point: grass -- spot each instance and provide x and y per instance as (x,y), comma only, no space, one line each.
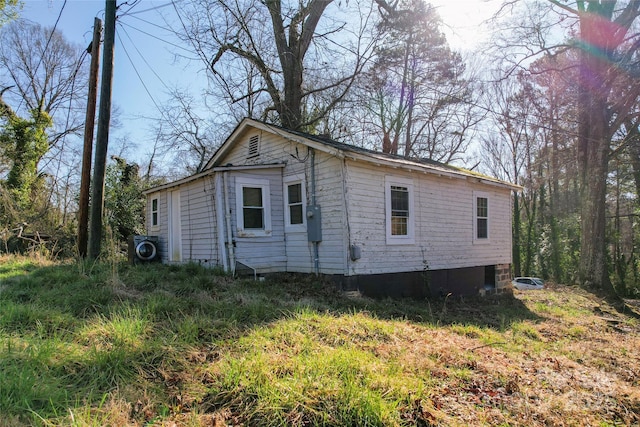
(93,345)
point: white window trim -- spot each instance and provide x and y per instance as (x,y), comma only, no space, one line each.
(409,239)
(476,240)
(266,205)
(287,181)
(157,212)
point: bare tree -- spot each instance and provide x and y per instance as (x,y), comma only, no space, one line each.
(289,62)
(43,72)
(420,104)
(509,154)
(602,33)
(183,132)
(41,77)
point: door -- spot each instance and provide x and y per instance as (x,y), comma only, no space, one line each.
(175,228)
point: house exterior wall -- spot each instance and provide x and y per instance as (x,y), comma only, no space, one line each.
(443,247)
(297,251)
(162,229)
(444,218)
(199,232)
(440,255)
(330,196)
(197,222)
(266,254)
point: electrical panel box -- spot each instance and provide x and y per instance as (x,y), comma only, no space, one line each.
(355,252)
(314,223)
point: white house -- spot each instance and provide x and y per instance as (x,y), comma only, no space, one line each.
(274,200)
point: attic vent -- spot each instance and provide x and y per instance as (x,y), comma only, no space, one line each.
(254,146)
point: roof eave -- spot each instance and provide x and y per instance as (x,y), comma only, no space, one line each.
(177,183)
(217,158)
(424,168)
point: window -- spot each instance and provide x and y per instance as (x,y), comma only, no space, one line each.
(399,211)
(252,208)
(295,198)
(294,193)
(253,212)
(481,217)
(154,212)
(254,146)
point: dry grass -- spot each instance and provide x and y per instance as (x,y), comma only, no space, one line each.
(577,364)
(180,347)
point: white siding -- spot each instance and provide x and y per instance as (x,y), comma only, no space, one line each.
(273,149)
(197,222)
(298,252)
(351,195)
(443,218)
(330,195)
(162,229)
(264,253)
(199,242)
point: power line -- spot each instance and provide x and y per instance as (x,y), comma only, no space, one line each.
(53,30)
(143,58)
(138,73)
(131,6)
(153,36)
(162,113)
(129,13)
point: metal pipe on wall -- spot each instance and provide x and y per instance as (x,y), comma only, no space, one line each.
(316,251)
(232,256)
(220,224)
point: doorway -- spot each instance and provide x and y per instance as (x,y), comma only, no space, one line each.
(175,227)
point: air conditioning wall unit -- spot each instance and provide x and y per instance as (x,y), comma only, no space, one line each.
(143,249)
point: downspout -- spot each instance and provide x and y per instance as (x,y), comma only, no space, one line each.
(316,256)
(227,216)
(220,222)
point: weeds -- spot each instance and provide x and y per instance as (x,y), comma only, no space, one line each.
(96,344)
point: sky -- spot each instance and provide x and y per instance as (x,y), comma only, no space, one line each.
(145,65)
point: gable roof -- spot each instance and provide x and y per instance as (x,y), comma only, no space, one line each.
(341,150)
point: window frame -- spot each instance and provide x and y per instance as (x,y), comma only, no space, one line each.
(288,181)
(155,213)
(409,238)
(481,195)
(264,185)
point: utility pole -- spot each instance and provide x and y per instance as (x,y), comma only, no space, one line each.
(102,140)
(89,122)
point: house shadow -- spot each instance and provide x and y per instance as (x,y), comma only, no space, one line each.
(495,311)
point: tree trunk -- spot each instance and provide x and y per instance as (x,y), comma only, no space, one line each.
(530,239)
(291,114)
(633,134)
(593,272)
(292,48)
(554,198)
(593,156)
(597,75)
(516,235)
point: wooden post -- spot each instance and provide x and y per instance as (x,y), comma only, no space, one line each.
(89,122)
(102,140)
